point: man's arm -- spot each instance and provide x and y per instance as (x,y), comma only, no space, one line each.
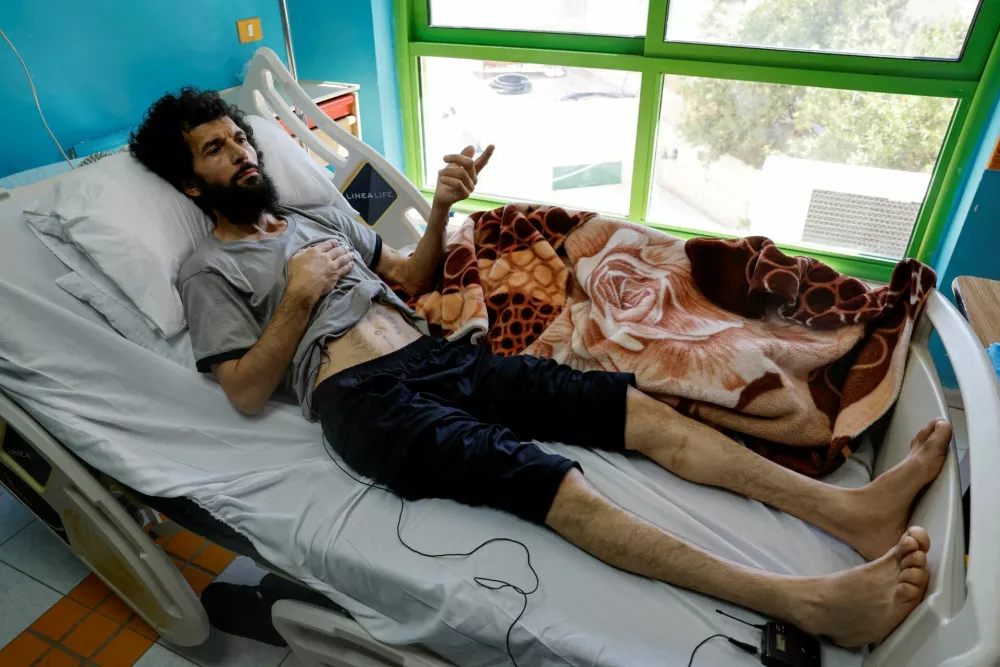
(456,182)
(251,380)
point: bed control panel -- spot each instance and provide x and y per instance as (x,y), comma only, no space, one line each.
(16,450)
(26,475)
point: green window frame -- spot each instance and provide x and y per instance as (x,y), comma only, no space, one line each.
(973,80)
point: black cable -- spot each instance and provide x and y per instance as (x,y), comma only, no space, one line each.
(702,643)
(485,582)
(749,648)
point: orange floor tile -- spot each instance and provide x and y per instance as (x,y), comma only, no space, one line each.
(123,650)
(116,610)
(93,627)
(60,619)
(58,658)
(90,592)
(185,545)
(214,558)
(197,579)
(22,651)
(140,627)
(87,637)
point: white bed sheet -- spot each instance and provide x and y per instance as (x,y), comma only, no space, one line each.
(166,431)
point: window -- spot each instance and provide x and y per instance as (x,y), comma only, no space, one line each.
(564,135)
(829,169)
(834,127)
(903,28)
(595,17)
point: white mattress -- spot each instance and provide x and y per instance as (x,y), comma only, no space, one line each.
(167,431)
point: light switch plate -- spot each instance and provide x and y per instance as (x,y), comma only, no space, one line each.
(250,30)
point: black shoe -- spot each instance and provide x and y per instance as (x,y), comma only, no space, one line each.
(244,611)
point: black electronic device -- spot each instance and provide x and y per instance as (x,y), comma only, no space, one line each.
(781,644)
(784,645)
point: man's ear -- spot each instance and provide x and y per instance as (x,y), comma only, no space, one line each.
(190,189)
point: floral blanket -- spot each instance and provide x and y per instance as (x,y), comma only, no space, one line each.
(784,350)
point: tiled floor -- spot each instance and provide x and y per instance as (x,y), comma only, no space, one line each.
(54,612)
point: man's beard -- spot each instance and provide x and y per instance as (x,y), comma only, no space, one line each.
(241,203)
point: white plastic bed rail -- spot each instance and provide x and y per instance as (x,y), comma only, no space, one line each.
(103,535)
(971,637)
(958,623)
(259,96)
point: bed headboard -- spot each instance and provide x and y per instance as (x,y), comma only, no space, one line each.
(364,176)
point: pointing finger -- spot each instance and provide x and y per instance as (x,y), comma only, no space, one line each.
(484,158)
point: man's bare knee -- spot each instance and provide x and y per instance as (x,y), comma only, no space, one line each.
(655,429)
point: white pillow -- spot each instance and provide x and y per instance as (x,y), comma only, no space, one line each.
(133,225)
(301,182)
(138,229)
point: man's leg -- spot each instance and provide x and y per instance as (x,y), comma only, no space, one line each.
(423,448)
(853,608)
(871,519)
(540,399)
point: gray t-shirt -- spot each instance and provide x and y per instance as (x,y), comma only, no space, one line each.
(231,289)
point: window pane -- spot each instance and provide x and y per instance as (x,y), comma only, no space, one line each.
(832,169)
(563,135)
(626,18)
(905,28)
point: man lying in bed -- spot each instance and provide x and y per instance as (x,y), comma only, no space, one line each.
(279,297)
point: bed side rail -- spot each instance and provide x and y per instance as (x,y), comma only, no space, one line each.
(321,638)
(64,496)
(259,96)
(971,636)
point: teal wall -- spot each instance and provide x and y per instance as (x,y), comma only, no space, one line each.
(352,40)
(972,244)
(110,59)
(118,56)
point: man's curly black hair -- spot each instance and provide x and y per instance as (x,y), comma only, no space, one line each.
(160,144)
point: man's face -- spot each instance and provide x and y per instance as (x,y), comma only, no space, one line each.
(229,175)
(222,154)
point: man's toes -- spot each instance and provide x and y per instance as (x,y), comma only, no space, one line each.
(917,576)
(941,432)
(925,432)
(921,536)
(914,559)
(906,546)
(906,593)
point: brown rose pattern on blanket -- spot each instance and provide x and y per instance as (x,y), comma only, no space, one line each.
(798,358)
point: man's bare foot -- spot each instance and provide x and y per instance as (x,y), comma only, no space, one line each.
(876,515)
(865,604)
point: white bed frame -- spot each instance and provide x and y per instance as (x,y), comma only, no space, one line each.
(957,625)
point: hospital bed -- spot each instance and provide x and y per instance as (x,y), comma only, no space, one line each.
(55,458)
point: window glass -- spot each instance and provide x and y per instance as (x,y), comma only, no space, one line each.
(832,169)
(902,28)
(563,135)
(625,18)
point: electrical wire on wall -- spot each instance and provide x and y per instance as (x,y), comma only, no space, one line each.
(35,95)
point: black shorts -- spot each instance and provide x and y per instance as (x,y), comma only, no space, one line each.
(451,420)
